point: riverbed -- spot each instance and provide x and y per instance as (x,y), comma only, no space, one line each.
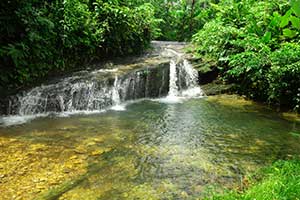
(152,149)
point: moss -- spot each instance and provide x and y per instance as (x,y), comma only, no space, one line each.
(215,88)
(294,117)
(279,181)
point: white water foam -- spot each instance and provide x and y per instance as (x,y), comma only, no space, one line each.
(104,70)
(119,107)
(77,112)
(18,119)
(194,92)
(191,80)
(173,88)
(116,97)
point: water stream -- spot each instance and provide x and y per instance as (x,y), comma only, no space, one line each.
(143,138)
(167,75)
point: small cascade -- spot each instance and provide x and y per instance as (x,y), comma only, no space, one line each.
(190,80)
(191,77)
(116,101)
(183,81)
(115,92)
(93,94)
(94,91)
(173,88)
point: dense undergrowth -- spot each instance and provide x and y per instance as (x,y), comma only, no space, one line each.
(256,45)
(37,37)
(280,181)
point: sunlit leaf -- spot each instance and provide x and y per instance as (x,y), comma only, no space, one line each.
(289,33)
(296,7)
(285,19)
(295,22)
(267,37)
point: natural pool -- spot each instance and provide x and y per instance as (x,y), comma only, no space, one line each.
(152,150)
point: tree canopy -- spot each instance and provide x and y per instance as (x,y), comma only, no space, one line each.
(252,43)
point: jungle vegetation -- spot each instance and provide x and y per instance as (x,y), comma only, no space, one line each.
(279,181)
(38,37)
(254,44)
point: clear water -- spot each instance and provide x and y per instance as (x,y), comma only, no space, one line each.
(152,150)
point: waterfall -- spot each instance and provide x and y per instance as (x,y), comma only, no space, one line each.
(94,91)
(115,93)
(183,82)
(92,94)
(191,81)
(173,88)
(116,101)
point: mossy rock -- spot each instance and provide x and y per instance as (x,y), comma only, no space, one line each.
(216,88)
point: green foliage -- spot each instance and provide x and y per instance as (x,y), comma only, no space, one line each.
(29,52)
(181,19)
(38,37)
(126,30)
(280,181)
(295,6)
(284,75)
(217,45)
(255,44)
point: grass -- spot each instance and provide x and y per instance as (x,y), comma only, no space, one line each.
(281,181)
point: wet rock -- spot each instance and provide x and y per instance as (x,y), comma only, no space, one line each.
(3,106)
(216,88)
(92,91)
(207,71)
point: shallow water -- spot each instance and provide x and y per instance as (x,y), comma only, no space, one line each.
(152,150)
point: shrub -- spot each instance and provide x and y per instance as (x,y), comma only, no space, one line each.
(256,45)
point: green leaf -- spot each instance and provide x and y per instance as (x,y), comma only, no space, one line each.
(276,20)
(289,33)
(295,22)
(267,37)
(295,4)
(285,19)
(295,134)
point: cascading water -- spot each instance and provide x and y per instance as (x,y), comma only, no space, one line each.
(95,91)
(191,81)
(183,79)
(183,82)
(173,88)
(116,101)
(115,93)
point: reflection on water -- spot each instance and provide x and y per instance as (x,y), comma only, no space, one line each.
(150,151)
